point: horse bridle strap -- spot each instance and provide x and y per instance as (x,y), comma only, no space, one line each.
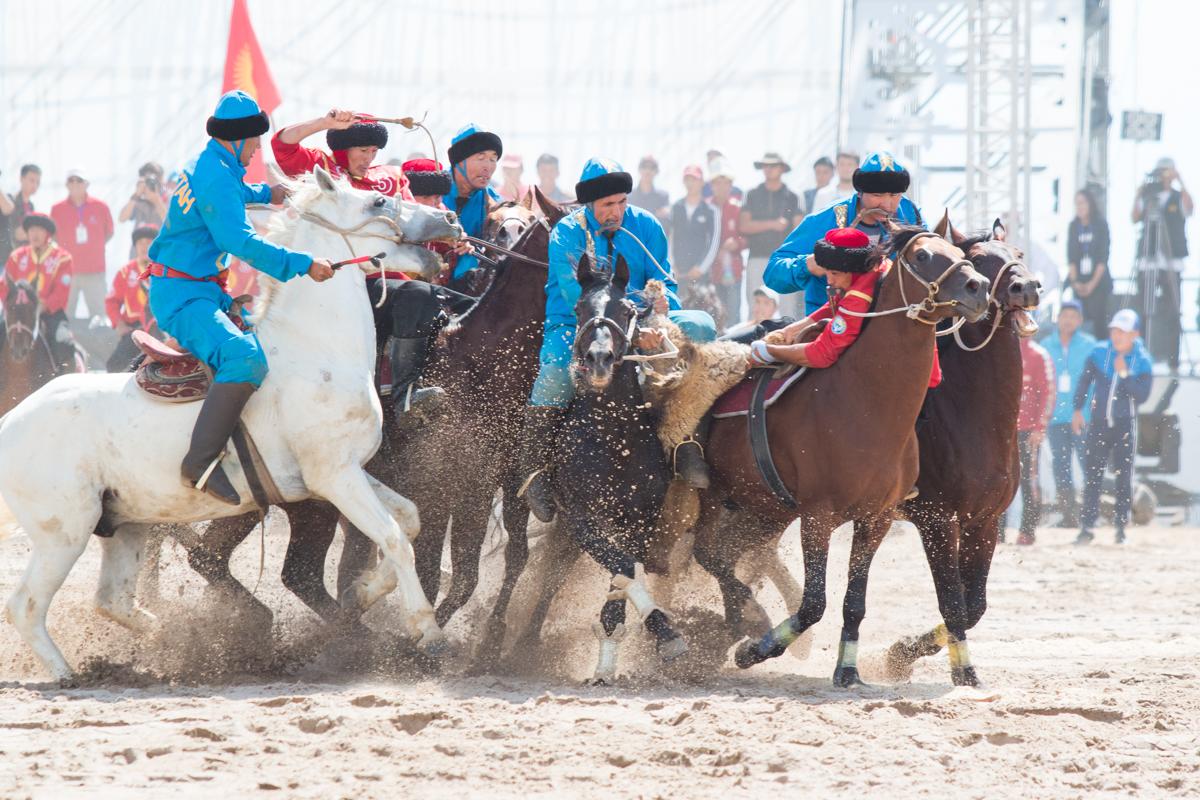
(501,249)
(992,303)
(914,310)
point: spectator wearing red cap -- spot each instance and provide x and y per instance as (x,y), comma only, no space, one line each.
(84,227)
(428,181)
(354,141)
(512,168)
(128,300)
(695,239)
(853,266)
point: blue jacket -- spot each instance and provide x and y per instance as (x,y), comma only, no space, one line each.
(1116,399)
(472,217)
(206,219)
(787,270)
(1068,366)
(568,241)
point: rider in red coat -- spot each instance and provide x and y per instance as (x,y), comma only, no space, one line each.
(854,268)
(354,141)
(48,268)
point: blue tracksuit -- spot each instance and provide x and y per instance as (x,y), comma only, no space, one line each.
(569,241)
(471,217)
(787,269)
(206,219)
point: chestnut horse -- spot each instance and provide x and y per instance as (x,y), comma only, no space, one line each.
(969,463)
(843,439)
(26,361)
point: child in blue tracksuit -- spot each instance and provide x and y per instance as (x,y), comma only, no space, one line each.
(1120,372)
(206,220)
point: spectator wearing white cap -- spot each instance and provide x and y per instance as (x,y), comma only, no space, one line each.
(695,236)
(1120,372)
(84,227)
(1163,210)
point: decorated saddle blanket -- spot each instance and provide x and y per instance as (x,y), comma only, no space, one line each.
(736,401)
(176,376)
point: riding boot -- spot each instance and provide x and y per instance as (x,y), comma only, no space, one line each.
(407,357)
(220,413)
(541,427)
(689,462)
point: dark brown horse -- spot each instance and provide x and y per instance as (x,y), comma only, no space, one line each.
(969,463)
(843,439)
(452,468)
(26,361)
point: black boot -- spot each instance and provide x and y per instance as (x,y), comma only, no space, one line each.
(690,465)
(541,426)
(407,358)
(221,410)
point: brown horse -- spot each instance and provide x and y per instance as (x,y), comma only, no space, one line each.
(26,361)
(487,362)
(843,440)
(969,463)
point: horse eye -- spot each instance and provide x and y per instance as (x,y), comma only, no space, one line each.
(923,256)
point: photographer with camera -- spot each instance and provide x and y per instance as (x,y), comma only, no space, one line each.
(1163,211)
(146,206)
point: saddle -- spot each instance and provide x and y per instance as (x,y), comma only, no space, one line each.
(176,376)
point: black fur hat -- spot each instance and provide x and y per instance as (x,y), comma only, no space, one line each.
(845,250)
(360,134)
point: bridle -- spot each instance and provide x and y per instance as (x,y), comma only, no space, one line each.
(930,303)
(626,336)
(14,326)
(993,304)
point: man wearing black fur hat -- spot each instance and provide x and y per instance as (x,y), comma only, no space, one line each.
(354,141)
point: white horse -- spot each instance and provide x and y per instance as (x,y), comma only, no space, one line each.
(84,439)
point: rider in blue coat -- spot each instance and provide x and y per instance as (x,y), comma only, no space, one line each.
(880,183)
(473,155)
(206,220)
(604,228)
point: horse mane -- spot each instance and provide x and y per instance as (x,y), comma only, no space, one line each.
(979,237)
(902,235)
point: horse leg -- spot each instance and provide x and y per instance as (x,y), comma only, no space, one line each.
(359,554)
(466,545)
(54,554)
(814,537)
(209,556)
(557,565)
(770,564)
(975,563)
(940,536)
(516,556)
(390,521)
(120,563)
(868,534)
(428,547)
(717,550)
(313,524)
(609,631)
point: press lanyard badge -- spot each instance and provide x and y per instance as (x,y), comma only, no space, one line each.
(81,235)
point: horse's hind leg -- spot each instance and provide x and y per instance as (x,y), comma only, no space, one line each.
(120,563)
(815,540)
(313,524)
(868,534)
(516,556)
(975,562)
(767,561)
(209,556)
(555,565)
(54,554)
(721,539)
(466,545)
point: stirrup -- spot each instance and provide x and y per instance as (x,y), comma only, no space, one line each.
(208,471)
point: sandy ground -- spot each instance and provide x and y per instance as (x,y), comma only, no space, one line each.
(1090,657)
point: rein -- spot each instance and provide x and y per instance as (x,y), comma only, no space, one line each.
(510,253)
(930,304)
(357,230)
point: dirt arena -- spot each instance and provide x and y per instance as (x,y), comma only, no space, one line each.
(1091,657)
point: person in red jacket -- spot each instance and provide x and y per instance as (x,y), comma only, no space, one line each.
(354,142)
(1038,395)
(49,269)
(128,300)
(854,267)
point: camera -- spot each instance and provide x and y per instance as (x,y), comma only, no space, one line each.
(151,183)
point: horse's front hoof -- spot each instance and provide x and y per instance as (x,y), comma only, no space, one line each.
(965,676)
(672,649)
(848,678)
(747,655)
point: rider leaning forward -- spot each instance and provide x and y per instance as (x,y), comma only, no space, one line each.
(605,227)
(206,220)
(413,312)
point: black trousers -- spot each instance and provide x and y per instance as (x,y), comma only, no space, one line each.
(412,309)
(1096,313)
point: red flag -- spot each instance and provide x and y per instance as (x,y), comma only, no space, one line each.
(246,69)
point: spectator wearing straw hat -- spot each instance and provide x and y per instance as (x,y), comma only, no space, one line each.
(769,211)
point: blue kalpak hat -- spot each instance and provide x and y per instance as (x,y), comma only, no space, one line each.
(602,177)
(881,173)
(470,140)
(237,117)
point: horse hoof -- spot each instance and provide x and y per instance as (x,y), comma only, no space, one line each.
(965,676)
(672,649)
(435,647)
(747,655)
(848,678)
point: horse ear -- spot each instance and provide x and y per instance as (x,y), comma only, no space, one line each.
(999,232)
(550,209)
(891,226)
(943,228)
(584,272)
(956,236)
(527,201)
(325,181)
(621,273)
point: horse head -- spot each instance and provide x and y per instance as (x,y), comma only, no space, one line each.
(1015,290)
(22,314)
(605,324)
(937,274)
(369,222)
